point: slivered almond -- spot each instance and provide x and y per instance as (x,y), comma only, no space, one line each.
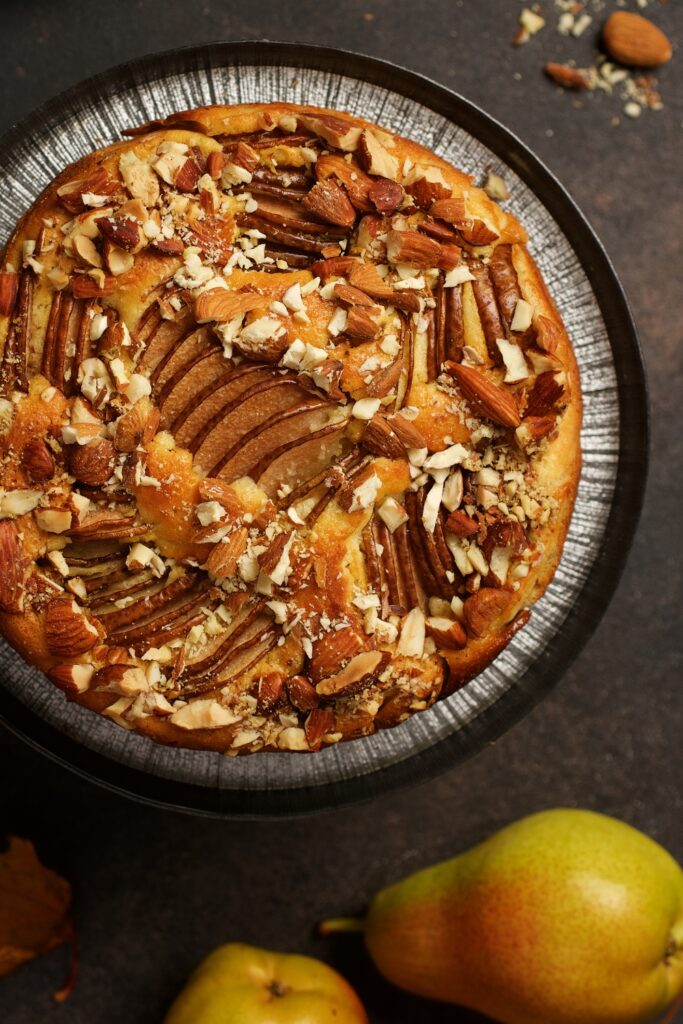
(333,649)
(483,608)
(67,631)
(9,287)
(359,671)
(412,248)
(329,202)
(222,305)
(222,561)
(446,632)
(485,397)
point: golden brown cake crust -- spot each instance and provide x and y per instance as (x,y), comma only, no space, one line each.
(290,429)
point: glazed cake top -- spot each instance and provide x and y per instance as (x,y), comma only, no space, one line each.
(290,429)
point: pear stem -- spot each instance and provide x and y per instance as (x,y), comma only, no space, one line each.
(671,1015)
(340,924)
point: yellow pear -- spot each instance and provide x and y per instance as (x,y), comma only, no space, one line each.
(239,984)
(565,917)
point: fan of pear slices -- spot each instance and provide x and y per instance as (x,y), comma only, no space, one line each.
(289,427)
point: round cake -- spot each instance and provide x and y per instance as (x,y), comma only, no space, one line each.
(289,427)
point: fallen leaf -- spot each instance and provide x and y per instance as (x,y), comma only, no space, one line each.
(34,910)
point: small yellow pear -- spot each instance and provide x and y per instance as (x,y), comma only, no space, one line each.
(239,984)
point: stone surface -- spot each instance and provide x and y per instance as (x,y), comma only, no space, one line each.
(154,890)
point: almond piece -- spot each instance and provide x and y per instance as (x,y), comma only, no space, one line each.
(335,266)
(96,183)
(215,162)
(121,231)
(461,525)
(329,202)
(270,559)
(412,248)
(67,631)
(302,693)
(246,157)
(347,296)
(486,398)
(567,77)
(12,568)
(425,192)
(270,692)
(483,608)
(385,195)
(333,649)
(186,177)
(380,439)
(358,672)
(333,130)
(533,429)
(222,561)
(38,461)
(223,306)
(375,158)
(136,426)
(72,679)
(360,325)
(407,432)
(475,232)
(319,724)
(632,39)
(451,210)
(92,463)
(356,182)
(9,287)
(446,632)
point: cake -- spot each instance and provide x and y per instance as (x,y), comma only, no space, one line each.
(289,426)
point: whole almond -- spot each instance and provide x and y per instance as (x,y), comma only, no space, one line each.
(483,608)
(485,397)
(632,39)
(328,201)
(94,462)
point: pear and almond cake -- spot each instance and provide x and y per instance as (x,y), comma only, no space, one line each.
(289,428)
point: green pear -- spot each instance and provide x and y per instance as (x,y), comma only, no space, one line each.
(565,917)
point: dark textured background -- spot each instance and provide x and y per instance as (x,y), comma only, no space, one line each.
(155,890)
